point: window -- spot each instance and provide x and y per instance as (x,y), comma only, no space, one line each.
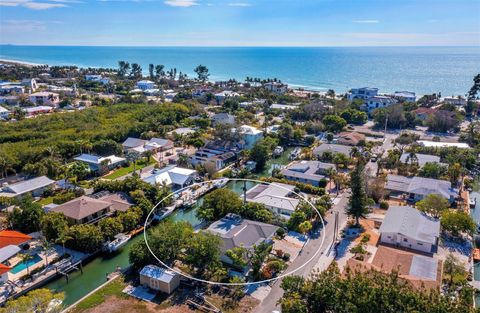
(419,243)
(405,240)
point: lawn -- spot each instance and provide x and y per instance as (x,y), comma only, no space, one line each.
(127,170)
(45,201)
(114,288)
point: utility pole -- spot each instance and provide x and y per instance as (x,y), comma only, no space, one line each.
(385,130)
(244,192)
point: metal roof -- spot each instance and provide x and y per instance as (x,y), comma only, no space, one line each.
(158,273)
(7,252)
(28,185)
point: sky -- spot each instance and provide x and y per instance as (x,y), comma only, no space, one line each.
(241,22)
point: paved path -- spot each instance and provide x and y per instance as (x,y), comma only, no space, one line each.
(320,262)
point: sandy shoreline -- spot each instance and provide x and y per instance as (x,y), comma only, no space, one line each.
(20,62)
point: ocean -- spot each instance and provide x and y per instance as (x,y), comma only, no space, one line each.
(424,70)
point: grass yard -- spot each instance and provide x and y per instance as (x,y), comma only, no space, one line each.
(45,201)
(127,170)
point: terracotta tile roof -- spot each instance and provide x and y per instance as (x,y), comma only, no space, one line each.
(11,237)
(4,269)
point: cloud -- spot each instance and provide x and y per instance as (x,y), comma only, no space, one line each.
(36,5)
(239,4)
(23,25)
(366,21)
(181,3)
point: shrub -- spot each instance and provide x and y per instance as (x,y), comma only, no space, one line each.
(384,205)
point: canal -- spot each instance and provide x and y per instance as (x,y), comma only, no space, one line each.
(95,272)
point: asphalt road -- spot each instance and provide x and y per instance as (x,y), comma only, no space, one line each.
(269,304)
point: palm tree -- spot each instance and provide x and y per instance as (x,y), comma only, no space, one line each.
(133,156)
(47,247)
(25,257)
(62,239)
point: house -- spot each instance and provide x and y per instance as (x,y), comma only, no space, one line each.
(222,118)
(378,102)
(145,84)
(177,177)
(120,201)
(237,232)
(12,237)
(438,144)
(422,272)
(88,209)
(349,138)
(42,109)
(181,131)
(160,279)
(331,148)
(455,100)
(6,89)
(35,187)
(30,83)
(9,100)
(307,172)
(276,87)
(250,135)
(276,197)
(363,93)
(99,164)
(11,243)
(405,96)
(423,113)
(215,155)
(283,107)
(140,145)
(4,113)
(420,159)
(416,188)
(93,77)
(45,98)
(404,226)
(222,96)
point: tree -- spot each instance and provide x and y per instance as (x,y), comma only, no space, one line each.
(457,222)
(203,252)
(38,301)
(454,272)
(357,203)
(54,224)
(472,94)
(85,238)
(296,218)
(433,205)
(238,255)
(432,170)
(151,69)
(305,227)
(159,71)
(77,170)
(218,203)
(259,154)
(25,258)
(47,247)
(110,227)
(62,239)
(202,72)
(133,156)
(442,121)
(123,68)
(136,71)
(27,217)
(334,123)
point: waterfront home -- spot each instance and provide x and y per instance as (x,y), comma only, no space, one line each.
(404,226)
(140,145)
(11,243)
(99,164)
(237,232)
(405,96)
(416,188)
(13,238)
(438,144)
(349,138)
(4,113)
(224,95)
(159,279)
(276,87)
(307,172)
(422,272)
(222,118)
(45,98)
(145,84)
(176,177)
(214,156)
(249,136)
(378,102)
(87,209)
(332,149)
(423,113)
(363,93)
(120,202)
(420,159)
(460,101)
(41,109)
(35,187)
(276,197)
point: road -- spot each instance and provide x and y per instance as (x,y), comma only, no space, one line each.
(269,304)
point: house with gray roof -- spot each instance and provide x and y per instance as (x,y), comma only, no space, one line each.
(160,279)
(416,188)
(237,232)
(276,197)
(141,145)
(407,227)
(307,172)
(420,159)
(331,148)
(35,186)
(222,118)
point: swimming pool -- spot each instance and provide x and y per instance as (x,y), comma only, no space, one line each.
(23,265)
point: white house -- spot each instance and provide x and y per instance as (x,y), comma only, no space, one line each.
(455,100)
(93,78)
(98,163)
(276,87)
(177,177)
(405,96)
(378,102)
(45,98)
(145,84)
(407,227)
(276,197)
(160,279)
(363,93)
(35,186)
(416,188)
(222,96)
(250,135)
(4,113)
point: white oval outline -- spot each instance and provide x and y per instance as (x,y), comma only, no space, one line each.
(234,284)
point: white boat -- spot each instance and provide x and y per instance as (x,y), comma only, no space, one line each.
(278,151)
(119,241)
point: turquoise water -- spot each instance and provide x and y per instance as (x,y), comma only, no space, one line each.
(23,265)
(449,70)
